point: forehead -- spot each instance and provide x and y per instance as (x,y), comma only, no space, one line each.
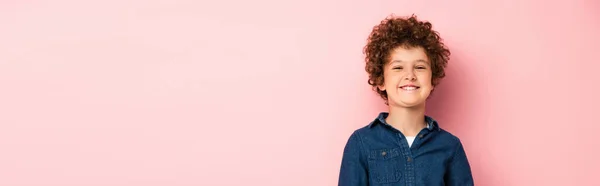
(408,54)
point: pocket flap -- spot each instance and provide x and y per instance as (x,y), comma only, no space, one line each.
(384,154)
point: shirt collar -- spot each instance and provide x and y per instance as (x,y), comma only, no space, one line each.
(432,124)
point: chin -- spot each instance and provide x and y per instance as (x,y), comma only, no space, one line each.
(408,104)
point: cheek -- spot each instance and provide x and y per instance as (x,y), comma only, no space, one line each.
(390,85)
(425,80)
(390,80)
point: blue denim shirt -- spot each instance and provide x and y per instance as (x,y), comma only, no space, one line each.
(379,155)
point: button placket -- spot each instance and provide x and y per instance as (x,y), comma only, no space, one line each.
(409,169)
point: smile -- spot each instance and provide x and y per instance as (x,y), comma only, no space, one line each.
(409,87)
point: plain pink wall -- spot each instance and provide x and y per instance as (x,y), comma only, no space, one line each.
(151,93)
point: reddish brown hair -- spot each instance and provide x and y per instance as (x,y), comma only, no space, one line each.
(409,32)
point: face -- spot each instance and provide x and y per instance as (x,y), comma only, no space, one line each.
(407,77)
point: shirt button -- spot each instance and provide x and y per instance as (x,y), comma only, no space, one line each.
(409,159)
(383,153)
(421,136)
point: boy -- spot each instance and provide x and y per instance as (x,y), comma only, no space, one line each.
(405,60)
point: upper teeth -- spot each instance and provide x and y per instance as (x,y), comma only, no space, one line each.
(409,88)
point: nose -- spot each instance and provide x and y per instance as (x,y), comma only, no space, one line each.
(410,76)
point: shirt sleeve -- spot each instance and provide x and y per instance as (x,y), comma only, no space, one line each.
(353,170)
(459,170)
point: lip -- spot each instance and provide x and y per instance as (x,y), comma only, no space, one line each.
(409,85)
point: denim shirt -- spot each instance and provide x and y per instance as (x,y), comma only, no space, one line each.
(379,155)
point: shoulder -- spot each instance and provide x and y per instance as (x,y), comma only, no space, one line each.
(451,141)
(357,134)
(354,144)
(446,135)
(363,129)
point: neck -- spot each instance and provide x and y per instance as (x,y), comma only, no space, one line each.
(410,121)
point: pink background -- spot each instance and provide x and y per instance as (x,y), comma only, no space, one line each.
(165,92)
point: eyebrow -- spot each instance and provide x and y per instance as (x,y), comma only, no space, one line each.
(419,60)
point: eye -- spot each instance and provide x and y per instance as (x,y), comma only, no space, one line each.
(397,68)
(421,67)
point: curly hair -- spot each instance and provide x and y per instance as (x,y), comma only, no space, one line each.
(409,32)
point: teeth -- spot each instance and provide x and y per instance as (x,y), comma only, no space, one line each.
(409,88)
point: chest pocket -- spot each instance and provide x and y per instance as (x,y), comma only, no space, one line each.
(385,165)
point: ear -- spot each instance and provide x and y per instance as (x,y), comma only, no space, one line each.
(381,87)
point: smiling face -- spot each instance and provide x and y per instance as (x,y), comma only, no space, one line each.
(407,77)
